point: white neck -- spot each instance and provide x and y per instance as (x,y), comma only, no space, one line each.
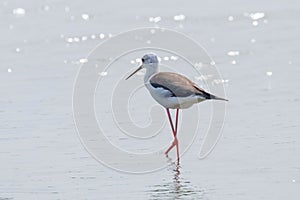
(151,70)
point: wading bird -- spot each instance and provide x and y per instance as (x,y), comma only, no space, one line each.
(172,91)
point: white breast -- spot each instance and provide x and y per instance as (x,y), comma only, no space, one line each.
(164,97)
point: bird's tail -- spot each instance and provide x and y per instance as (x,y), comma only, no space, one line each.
(205,95)
(217,98)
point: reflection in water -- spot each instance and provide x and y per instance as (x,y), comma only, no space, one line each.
(178,188)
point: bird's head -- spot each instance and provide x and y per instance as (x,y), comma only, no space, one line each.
(148,61)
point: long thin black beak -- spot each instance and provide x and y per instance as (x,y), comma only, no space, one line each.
(138,69)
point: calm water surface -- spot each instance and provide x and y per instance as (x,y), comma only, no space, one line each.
(256,47)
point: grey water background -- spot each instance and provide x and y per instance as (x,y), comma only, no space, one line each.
(255,45)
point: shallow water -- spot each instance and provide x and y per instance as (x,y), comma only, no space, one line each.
(42,47)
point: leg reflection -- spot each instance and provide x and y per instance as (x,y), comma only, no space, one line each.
(176,188)
(177,177)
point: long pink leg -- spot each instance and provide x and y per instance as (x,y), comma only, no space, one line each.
(177,146)
(175,142)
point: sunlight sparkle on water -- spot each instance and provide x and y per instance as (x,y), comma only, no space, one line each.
(233,53)
(70,40)
(230,18)
(9,70)
(19,12)
(179,17)
(154,19)
(220,81)
(198,65)
(101,36)
(84,38)
(203,77)
(85,17)
(76,39)
(166,58)
(255,23)
(83,60)
(103,74)
(269,73)
(152,31)
(174,58)
(257,16)
(93,36)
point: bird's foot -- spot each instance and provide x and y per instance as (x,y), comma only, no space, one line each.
(175,143)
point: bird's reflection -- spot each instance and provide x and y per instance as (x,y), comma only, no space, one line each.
(177,177)
(178,188)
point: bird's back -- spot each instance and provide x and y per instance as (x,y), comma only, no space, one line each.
(178,85)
